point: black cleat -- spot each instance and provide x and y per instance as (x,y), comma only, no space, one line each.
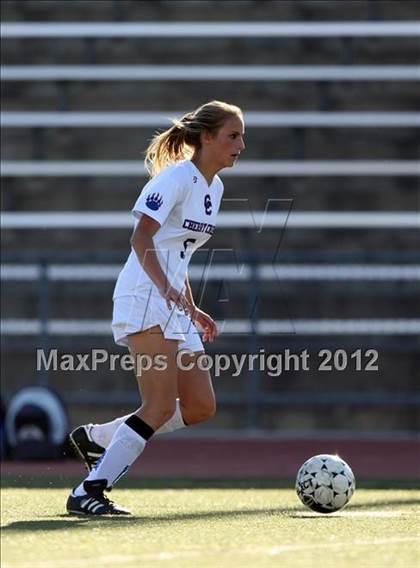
(85,447)
(94,502)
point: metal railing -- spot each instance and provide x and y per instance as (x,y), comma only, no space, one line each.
(267,272)
(209,29)
(257,168)
(296,122)
(259,119)
(210,72)
(257,220)
(49,331)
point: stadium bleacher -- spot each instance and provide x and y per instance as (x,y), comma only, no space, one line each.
(331,131)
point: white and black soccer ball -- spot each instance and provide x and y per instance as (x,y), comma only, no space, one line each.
(325,483)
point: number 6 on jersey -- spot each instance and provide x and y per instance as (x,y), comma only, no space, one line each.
(182,253)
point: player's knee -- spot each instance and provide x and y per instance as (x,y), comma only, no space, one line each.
(161,412)
(167,410)
(201,411)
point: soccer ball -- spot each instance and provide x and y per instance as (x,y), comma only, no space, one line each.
(325,483)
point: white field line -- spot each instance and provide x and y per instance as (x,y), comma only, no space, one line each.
(347,513)
(111,560)
(169,555)
(357,542)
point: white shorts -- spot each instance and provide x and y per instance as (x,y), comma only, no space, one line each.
(132,314)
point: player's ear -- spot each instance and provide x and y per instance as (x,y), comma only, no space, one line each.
(206,137)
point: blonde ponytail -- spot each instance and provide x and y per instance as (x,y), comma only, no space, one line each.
(181,140)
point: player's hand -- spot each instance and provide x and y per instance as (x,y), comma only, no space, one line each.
(206,323)
(173,296)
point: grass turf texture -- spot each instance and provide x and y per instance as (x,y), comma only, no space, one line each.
(210,524)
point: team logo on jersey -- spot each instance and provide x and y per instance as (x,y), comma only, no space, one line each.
(198,227)
(207,204)
(154,201)
(195,178)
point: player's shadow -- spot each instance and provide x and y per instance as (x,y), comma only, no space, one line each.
(65,522)
(360,507)
(384,503)
(44,525)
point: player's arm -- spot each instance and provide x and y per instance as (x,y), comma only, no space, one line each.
(143,246)
(204,321)
(188,292)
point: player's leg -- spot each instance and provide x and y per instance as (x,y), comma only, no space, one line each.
(198,403)
(158,392)
(101,434)
(195,390)
(90,440)
(195,404)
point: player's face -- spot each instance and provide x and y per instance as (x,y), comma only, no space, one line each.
(228,143)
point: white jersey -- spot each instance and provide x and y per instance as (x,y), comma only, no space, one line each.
(186,207)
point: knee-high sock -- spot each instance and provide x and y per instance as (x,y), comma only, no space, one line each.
(102,433)
(126,445)
(175,422)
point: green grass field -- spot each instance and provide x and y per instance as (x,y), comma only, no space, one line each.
(217,524)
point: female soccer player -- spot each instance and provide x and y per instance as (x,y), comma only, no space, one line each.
(154,310)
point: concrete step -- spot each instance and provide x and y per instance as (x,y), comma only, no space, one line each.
(156,95)
(204,10)
(293,240)
(262,144)
(307,379)
(230,300)
(253,51)
(306,193)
